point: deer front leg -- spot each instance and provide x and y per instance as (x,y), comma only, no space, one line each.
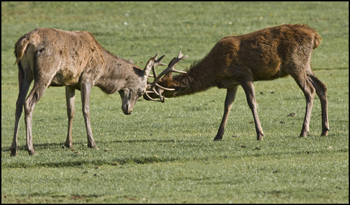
(250,94)
(70,98)
(85,96)
(230,97)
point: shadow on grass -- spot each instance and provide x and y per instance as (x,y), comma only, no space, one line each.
(90,162)
(113,161)
(23,148)
(61,145)
(146,160)
(151,140)
(118,161)
(55,145)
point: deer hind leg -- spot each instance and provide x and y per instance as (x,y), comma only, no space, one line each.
(250,94)
(309,92)
(70,98)
(24,80)
(321,90)
(34,96)
(230,97)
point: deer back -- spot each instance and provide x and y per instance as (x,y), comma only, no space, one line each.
(65,54)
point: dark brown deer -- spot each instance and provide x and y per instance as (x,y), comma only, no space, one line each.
(53,57)
(266,54)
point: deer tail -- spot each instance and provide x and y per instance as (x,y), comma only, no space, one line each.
(317,40)
(20,47)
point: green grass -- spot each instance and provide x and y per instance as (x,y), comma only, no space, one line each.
(163,152)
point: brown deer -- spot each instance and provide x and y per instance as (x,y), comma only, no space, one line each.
(53,57)
(266,54)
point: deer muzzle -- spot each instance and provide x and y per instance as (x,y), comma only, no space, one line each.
(126,109)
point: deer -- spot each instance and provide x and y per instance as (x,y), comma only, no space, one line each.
(74,59)
(234,61)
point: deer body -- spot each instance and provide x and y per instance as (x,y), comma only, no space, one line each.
(53,57)
(266,54)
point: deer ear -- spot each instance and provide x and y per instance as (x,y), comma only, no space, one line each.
(130,60)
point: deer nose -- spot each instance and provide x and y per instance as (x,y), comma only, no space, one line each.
(126,110)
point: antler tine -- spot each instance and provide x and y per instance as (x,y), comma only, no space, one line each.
(164,88)
(150,98)
(171,67)
(162,98)
(156,63)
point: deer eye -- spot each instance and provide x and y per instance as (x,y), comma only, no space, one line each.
(141,92)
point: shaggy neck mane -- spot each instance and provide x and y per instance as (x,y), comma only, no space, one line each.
(197,78)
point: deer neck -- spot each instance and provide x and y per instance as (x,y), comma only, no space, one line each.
(116,74)
(197,79)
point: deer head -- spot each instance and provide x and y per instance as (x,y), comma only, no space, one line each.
(136,87)
(154,88)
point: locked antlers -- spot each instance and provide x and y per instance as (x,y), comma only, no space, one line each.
(154,87)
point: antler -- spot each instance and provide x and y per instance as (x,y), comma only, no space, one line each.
(170,68)
(156,62)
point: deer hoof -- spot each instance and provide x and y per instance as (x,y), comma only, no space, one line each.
(304,133)
(325,132)
(218,138)
(14,152)
(31,152)
(93,146)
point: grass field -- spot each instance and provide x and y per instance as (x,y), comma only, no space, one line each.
(164,152)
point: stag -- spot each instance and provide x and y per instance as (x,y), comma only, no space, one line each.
(266,54)
(53,57)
